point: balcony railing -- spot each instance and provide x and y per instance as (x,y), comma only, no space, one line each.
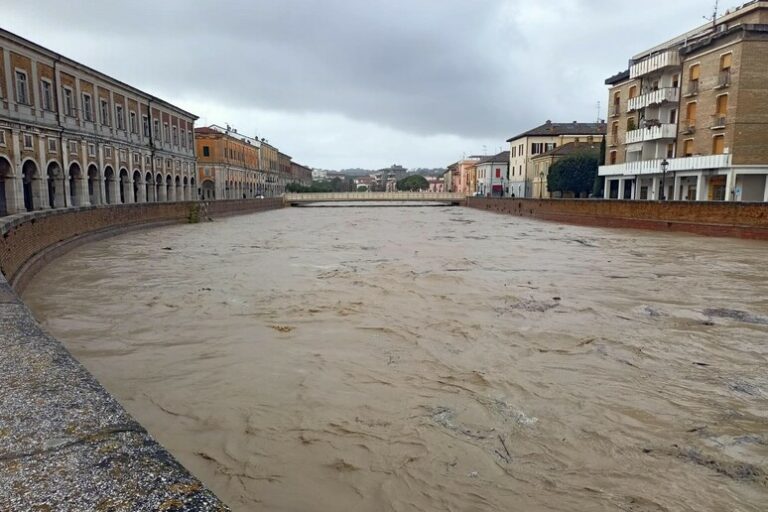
(688,127)
(615,111)
(662,131)
(669,58)
(724,79)
(692,89)
(692,163)
(667,94)
(718,123)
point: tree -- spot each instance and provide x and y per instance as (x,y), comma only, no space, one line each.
(575,173)
(599,187)
(413,183)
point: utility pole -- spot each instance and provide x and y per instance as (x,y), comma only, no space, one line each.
(713,19)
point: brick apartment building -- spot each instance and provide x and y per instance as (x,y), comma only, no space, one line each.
(689,119)
(72,136)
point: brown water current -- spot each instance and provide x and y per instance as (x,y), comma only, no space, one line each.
(432,359)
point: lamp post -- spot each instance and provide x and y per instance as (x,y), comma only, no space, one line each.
(664,167)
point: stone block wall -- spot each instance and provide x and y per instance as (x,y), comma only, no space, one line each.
(742,220)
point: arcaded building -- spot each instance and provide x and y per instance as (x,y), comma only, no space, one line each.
(72,136)
(228,164)
(689,119)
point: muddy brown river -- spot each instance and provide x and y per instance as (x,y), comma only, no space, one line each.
(432,359)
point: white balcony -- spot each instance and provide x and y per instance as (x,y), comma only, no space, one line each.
(663,131)
(667,94)
(666,59)
(691,163)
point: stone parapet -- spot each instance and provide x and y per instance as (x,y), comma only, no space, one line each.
(726,219)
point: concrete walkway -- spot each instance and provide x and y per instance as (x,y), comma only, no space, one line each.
(66,443)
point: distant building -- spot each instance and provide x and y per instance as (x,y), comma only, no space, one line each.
(301,174)
(436,184)
(228,164)
(492,175)
(699,104)
(541,163)
(463,175)
(527,145)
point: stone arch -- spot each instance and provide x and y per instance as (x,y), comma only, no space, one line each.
(109,185)
(30,177)
(208,190)
(55,185)
(94,184)
(138,188)
(75,176)
(125,187)
(179,193)
(6,186)
(150,189)
(159,188)
(193,189)
(168,187)
(185,186)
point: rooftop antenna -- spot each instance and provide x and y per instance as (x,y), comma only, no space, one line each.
(713,19)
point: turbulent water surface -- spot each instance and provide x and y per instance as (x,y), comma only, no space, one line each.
(432,359)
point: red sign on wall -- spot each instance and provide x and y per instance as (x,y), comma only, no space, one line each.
(498,173)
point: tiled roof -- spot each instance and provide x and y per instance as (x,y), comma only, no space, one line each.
(502,158)
(553,129)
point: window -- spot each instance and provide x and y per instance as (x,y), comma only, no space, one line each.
(676,81)
(73,147)
(722,105)
(175,136)
(123,155)
(134,123)
(119,117)
(22,92)
(166,132)
(69,102)
(183,140)
(726,61)
(52,145)
(671,150)
(91,149)
(145,125)
(158,135)
(549,146)
(673,116)
(633,92)
(107,151)
(87,107)
(616,110)
(718,144)
(2,137)
(136,158)
(631,124)
(46,94)
(537,148)
(688,147)
(105,112)
(189,139)
(28,141)
(694,73)
(691,113)
(612,158)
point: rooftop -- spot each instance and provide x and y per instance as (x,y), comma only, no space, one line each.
(572,148)
(549,129)
(502,158)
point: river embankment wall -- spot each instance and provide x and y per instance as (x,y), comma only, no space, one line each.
(724,219)
(66,442)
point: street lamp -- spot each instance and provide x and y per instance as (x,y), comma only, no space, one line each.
(664,167)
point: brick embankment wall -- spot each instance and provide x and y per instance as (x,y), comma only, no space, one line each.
(739,220)
(65,442)
(29,241)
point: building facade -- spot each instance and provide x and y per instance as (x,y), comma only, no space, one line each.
(270,167)
(542,163)
(524,147)
(301,174)
(72,136)
(492,175)
(689,118)
(461,176)
(228,164)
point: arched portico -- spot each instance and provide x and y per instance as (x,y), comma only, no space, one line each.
(169,188)
(94,185)
(160,189)
(31,184)
(179,193)
(193,193)
(139,191)
(76,192)
(110,186)
(149,186)
(126,188)
(55,185)
(6,187)
(209,190)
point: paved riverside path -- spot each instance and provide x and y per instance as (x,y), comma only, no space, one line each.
(66,443)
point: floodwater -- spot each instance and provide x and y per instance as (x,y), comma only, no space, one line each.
(432,359)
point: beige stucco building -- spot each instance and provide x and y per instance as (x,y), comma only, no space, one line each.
(524,147)
(697,106)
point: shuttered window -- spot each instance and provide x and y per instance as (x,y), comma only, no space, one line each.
(718,145)
(688,147)
(695,72)
(722,105)
(726,61)
(691,113)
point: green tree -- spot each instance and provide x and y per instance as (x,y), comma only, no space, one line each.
(413,183)
(575,173)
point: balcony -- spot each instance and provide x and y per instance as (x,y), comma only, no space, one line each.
(718,122)
(667,59)
(661,131)
(724,79)
(646,167)
(667,94)
(692,89)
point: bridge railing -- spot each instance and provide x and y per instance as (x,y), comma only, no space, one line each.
(374,196)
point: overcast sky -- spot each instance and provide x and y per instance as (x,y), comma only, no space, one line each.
(364,83)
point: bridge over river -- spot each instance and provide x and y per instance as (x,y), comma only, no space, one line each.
(375,197)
